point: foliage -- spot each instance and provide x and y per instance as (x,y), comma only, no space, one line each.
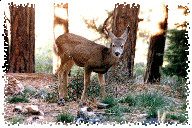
(76,84)
(65,117)
(177,84)
(182,118)
(51,97)
(139,69)
(17,99)
(17,119)
(29,91)
(139,72)
(176,53)
(109,100)
(150,100)
(44,58)
(129,99)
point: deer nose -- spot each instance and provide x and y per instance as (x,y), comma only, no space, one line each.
(117,53)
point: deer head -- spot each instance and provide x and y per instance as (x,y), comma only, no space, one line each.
(117,43)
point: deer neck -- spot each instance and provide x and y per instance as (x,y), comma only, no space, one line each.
(112,59)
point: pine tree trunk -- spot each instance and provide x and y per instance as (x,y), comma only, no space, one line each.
(125,15)
(60,27)
(6,45)
(22,48)
(156,52)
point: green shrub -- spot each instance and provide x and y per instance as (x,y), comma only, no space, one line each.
(44,58)
(17,99)
(76,85)
(109,100)
(139,72)
(177,84)
(152,112)
(151,100)
(51,97)
(29,91)
(17,119)
(65,117)
(180,117)
(129,99)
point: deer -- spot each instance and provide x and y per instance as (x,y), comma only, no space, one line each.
(73,49)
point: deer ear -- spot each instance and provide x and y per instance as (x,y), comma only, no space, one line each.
(125,34)
(112,36)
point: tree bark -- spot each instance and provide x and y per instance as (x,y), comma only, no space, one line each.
(6,45)
(156,52)
(22,47)
(125,15)
(60,26)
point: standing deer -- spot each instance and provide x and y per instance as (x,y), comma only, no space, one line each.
(94,57)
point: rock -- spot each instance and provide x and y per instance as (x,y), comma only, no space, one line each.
(33,109)
(91,114)
(84,115)
(13,86)
(61,102)
(102,105)
(33,119)
(18,109)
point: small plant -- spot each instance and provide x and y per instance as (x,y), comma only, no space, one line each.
(109,100)
(177,84)
(51,97)
(151,100)
(17,99)
(152,112)
(17,119)
(181,118)
(29,91)
(129,99)
(76,85)
(65,117)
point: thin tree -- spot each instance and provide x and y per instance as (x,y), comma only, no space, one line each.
(156,51)
(22,45)
(60,26)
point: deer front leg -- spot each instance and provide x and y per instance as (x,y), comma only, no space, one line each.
(102,84)
(87,75)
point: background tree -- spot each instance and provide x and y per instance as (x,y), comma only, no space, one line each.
(156,52)
(60,26)
(176,53)
(22,45)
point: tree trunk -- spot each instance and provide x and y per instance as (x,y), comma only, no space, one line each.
(156,52)
(60,27)
(125,15)
(6,44)
(22,48)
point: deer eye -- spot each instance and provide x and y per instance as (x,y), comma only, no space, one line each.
(121,46)
(113,45)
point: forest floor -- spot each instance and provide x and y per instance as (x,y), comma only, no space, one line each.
(41,82)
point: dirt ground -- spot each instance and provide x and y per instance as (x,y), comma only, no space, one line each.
(51,110)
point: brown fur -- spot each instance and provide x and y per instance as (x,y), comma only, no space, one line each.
(94,57)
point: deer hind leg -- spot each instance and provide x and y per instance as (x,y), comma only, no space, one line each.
(102,84)
(87,75)
(64,70)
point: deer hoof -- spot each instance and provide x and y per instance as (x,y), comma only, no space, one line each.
(61,102)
